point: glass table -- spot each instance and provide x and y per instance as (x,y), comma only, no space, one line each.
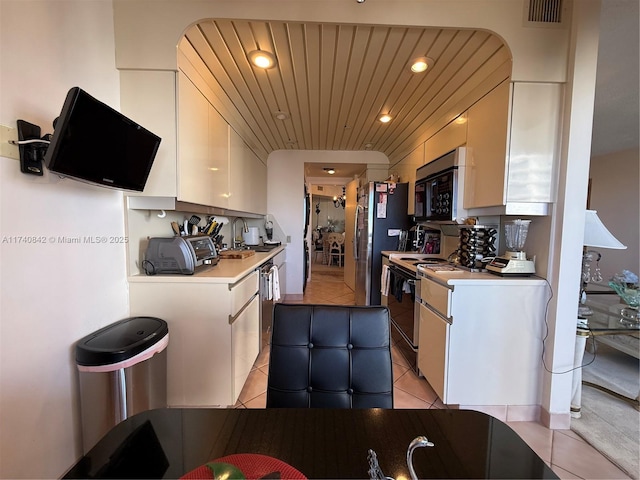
(612,324)
(318,442)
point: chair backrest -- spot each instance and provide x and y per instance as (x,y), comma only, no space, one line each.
(330,356)
(336,237)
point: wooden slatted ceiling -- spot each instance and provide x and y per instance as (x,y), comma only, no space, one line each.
(335,80)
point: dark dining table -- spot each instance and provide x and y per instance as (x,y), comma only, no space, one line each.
(320,443)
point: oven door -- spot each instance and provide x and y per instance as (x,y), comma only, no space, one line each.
(402,303)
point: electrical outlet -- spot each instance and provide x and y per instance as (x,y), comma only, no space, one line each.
(6,149)
(288,238)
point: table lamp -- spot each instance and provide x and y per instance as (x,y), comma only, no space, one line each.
(595,235)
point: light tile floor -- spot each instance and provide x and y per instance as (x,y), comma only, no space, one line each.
(566,453)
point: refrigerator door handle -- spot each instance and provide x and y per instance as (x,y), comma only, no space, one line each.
(356,232)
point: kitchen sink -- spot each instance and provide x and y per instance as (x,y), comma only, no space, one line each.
(262,248)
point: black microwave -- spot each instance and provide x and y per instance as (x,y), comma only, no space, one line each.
(437,196)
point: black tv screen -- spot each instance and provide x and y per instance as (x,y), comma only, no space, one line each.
(94,143)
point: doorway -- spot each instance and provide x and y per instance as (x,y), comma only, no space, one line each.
(328,232)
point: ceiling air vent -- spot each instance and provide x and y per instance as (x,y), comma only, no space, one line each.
(544,12)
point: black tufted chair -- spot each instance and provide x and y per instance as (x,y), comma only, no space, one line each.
(330,356)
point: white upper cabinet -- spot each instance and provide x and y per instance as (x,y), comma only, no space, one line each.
(149,98)
(512,147)
(534,141)
(247,177)
(486,161)
(218,159)
(202,141)
(201,160)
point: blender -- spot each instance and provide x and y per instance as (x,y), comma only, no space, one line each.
(514,262)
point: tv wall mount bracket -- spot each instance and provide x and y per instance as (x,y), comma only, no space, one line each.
(32,147)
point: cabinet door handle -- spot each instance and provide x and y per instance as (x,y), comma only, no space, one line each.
(356,233)
(437,312)
(233,318)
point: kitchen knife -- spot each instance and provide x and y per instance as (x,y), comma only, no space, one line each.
(208,225)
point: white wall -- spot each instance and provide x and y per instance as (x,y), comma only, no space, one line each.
(615,195)
(52,293)
(155,31)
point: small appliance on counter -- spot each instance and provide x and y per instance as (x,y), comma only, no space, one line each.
(477,242)
(514,262)
(268,227)
(420,239)
(251,236)
(181,255)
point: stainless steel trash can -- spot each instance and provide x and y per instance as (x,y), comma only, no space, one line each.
(122,371)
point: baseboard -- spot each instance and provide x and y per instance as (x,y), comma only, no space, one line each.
(292,297)
(555,421)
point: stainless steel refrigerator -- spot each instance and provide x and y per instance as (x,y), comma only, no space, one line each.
(381,213)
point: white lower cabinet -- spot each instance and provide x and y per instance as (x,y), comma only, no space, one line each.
(213,336)
(483,346)
(434,346)
(245,343)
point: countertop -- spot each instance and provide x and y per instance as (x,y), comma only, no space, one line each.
(228,270)
(458,276)
(464,277)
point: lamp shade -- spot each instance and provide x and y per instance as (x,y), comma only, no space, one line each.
(597,235)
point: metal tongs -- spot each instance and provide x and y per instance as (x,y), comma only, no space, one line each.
(375,472)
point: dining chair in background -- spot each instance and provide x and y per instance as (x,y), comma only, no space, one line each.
(336,248)
(318,245)
(330,356)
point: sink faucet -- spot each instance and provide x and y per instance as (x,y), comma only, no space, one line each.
(238,243)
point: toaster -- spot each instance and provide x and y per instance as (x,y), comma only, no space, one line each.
(178,255)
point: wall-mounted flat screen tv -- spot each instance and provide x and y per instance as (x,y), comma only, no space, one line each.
(94,143)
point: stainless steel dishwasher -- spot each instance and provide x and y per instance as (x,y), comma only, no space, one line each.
(266,303)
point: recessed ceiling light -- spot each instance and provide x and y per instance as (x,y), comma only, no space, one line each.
(262,59)
(330,170)
(421,64)
(281,115)
(385,118)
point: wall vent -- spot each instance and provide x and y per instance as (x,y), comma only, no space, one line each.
(545,11)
